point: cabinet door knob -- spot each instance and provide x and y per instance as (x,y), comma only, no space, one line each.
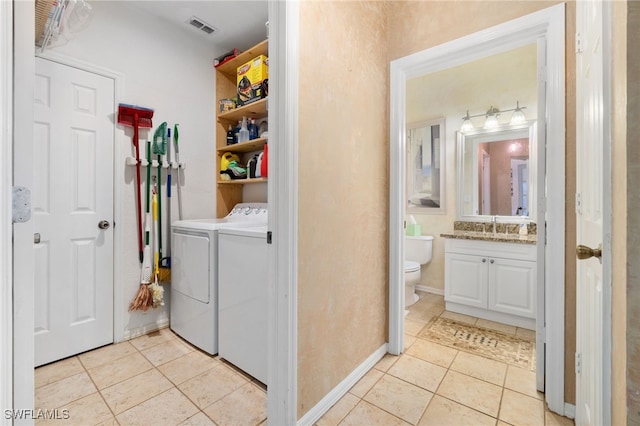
(492,261)
(484,260)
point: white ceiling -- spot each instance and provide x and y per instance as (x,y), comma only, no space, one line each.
(239,24)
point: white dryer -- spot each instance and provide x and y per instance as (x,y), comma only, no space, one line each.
(243,295)
(194,273)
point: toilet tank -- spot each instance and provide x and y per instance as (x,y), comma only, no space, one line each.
(418,249)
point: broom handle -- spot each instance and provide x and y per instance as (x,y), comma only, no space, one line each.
(139,212)
(169,194)
(160,206)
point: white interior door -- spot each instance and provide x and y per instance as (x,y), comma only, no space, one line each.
(591,166)
(72,210)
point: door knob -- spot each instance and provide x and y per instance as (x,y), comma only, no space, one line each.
(584,252)
(104,224)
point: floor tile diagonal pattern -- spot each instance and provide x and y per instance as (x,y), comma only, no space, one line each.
(159,379)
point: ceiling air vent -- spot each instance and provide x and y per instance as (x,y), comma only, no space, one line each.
(201,25)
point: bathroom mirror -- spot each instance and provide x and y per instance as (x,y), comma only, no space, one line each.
(425,167)
(497,172)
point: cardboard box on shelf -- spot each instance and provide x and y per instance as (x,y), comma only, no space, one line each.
(253,80)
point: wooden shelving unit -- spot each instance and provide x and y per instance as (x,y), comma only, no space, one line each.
(229,192)
(229,68)
(242,181)
(257,109)
(249,146)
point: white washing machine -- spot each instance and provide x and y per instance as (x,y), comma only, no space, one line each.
(243,294)
(194,273)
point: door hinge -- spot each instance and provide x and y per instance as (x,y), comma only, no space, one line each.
(21,204)
(579,43)
(578,363)
(578,203)
(269,237)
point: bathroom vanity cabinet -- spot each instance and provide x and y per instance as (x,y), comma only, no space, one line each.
(491,280)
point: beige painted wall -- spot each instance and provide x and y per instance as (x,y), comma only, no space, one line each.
(633,221)
(619,212)
(343,192)
(415,26)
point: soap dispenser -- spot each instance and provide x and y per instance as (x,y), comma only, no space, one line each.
(523,230)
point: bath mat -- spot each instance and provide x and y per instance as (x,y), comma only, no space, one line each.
(514,350)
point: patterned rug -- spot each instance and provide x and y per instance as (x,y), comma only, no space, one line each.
(485,342)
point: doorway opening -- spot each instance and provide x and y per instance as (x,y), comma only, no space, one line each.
(546,29)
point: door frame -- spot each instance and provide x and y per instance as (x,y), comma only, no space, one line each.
(23,277)
(548,23)
(6,178)
(282,190)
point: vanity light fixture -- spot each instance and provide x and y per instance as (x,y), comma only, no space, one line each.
(467,125)
(491,118)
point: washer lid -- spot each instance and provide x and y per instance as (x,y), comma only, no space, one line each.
(411,266)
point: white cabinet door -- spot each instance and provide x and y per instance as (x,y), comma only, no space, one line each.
(512,287)
(466,279)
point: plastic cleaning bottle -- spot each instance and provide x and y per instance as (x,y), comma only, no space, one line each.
(243,134)
(259,165)
(264,166)
(236,130)
(230,135)
(253,129)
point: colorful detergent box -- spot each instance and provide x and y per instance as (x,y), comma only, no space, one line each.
(253,80)
(226,105)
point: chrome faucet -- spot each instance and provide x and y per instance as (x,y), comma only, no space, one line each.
(493,223)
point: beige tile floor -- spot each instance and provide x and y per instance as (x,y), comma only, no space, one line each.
(156,379)
(431,384)
(159,379)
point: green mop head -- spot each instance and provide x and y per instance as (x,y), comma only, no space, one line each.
(160,139)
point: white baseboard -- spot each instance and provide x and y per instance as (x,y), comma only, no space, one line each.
(432,290)
(146,329)
(569,410)
(314,414)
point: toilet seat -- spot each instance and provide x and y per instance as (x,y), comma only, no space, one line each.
(411,266)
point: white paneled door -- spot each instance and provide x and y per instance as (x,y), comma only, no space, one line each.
(591,137)
(72,210)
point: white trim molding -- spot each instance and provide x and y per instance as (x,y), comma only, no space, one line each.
(283,213)
(547,24)
(318,410)
(6,178)
(432,290)
(23,260)
(569,410)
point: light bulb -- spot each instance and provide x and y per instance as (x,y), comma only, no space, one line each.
(518,116)
(491,122)
(467,125)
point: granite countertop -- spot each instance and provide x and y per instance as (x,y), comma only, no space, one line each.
(497,237)
(483,231)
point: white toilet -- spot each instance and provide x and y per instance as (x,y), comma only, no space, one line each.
(417,252)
